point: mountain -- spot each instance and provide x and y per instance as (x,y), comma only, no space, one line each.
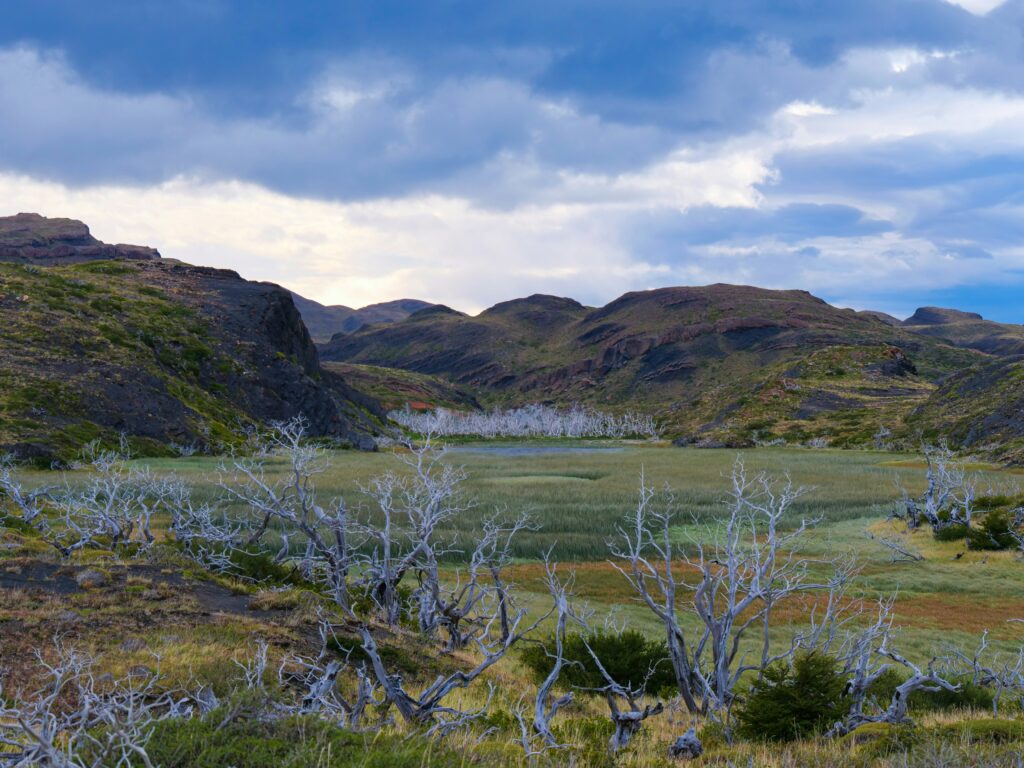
(967,329)
(719,364)
(324,322)
(98,340)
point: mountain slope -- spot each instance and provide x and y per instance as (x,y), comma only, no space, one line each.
(967,329)
(719,363)
(162,351)
(323,322)
(981,408)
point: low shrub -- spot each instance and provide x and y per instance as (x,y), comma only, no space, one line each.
(995,532)
(630,658)
(793,702)
(954,532)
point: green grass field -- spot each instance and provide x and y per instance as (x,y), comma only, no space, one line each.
(576,492)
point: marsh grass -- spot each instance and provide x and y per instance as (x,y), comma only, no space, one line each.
(577,497)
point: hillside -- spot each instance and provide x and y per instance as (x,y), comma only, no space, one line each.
(981,408)
(395,388)
(161,351)
(323,322)
(719,364)
(967,329)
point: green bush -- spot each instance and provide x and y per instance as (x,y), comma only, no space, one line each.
(954,532)
(629,657)
(996,532)
(793,702)
(998,501)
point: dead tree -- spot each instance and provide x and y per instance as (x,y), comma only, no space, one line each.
(325,531)
(208,533)
(627,720)
(428,708)
(546,705)
(110,723)
(948,498)
(740,575)
(318,680)
(650,557)
(112,508)
(29,505)
(1002,673)
(412,506)
(461,609)
(899,550)
(867,656)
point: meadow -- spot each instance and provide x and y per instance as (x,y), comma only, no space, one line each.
(576,492)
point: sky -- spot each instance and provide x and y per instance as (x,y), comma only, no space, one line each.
(870,151)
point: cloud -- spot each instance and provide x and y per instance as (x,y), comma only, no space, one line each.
(471,154)
(980,7)
(359,138)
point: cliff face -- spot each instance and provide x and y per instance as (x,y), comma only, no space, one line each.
(162,351)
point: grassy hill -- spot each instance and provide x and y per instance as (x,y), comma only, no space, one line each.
(395,388)
(981,408)
(161,351)
(719,364)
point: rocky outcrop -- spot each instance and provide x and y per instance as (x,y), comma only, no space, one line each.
(28,238)
(981,409)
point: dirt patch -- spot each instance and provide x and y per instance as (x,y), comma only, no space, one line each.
(60,580)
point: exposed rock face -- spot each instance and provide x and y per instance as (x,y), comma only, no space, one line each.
(29,238)
(159,350)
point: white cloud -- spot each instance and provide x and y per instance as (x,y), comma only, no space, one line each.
(978,7)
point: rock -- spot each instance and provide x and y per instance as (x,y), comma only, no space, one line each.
(687,746)
(91,579)
(29,238)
